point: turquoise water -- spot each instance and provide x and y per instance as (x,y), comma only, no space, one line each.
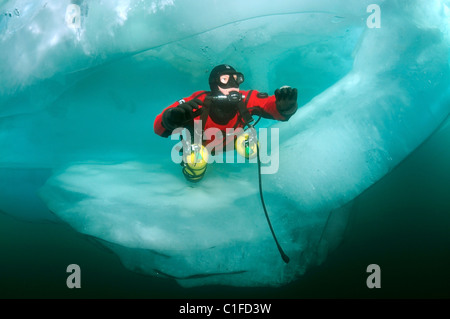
(71,96)
(401,223)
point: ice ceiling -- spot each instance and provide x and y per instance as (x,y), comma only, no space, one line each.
(82,81)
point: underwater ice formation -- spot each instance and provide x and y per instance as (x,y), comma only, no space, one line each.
(81,83)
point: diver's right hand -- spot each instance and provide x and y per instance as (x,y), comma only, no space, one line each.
(178,116)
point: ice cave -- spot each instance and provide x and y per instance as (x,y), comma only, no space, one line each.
(81,83)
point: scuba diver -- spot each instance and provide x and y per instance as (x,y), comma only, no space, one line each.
(225,106)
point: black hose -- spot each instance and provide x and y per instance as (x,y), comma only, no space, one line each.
(283,255)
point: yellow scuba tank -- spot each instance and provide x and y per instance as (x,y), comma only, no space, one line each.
(246,146)
(195,163)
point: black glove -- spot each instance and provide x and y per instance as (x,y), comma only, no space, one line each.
(180,115)
(286,100)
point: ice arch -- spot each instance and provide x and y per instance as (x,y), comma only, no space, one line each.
(81,100)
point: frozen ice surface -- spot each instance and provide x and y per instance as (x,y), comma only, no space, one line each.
(78,95)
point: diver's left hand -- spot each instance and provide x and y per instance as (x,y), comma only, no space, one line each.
(286,99)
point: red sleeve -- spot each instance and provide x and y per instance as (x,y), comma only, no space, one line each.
(158,126)
(266,104)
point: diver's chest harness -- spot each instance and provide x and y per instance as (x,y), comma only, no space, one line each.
(244,142)
(234,100)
